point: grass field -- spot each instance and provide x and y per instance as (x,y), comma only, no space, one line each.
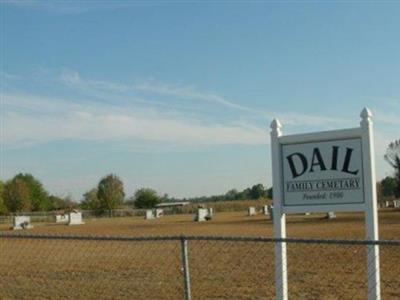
(51,269)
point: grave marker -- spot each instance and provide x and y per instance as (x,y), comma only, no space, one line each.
(75,218)
(210,212)
(271,211)
(149,214)
(331,215)
(265,210)
(201,215)
(251,211)
(21,222)
(158,212)
(62,218)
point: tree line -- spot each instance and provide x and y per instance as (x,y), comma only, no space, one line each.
(255,192)
(26,193)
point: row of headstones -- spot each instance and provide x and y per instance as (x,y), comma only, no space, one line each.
(393,203)
(24,222)
(202,214)
(153,213)
(268,210)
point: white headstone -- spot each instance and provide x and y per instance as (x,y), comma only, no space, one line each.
(252,211)
(75,218)
(149,214)
(265,210)
(21,222)
(331,215)
(62,218)
(211,212)
(158,212)
(271,211)
(201,214)
(387,203)
(396,203)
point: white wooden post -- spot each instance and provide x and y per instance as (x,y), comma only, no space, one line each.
(371,212)
(279,217)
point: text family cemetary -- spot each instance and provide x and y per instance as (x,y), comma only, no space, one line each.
(318,171)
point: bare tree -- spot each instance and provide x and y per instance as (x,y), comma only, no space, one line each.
(392,156)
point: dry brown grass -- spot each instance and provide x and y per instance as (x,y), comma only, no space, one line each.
(65,269)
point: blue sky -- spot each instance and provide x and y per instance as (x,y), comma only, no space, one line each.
(179,96)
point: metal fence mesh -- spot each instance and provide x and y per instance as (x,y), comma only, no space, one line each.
(78,269)
(46,267)
(231,269)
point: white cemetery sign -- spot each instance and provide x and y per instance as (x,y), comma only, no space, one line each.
(325,172)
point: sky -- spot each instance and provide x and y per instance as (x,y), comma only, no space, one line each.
(179,96)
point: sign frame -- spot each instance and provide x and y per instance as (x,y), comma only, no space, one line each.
(369,206)
(324,136)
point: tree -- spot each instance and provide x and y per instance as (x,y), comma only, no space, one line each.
(392,156)
(17,195)
(270,193)
(146,198)
(388,186)
(3,208)
(232,194)
(257,191)
(38,195)
(110,192)
(91,201)
(245,194)
(58,203)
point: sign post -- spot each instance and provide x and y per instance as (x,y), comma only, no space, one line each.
(371,211)
(324,172)
(279,217)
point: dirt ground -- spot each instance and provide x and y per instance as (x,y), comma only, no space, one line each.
(71,269)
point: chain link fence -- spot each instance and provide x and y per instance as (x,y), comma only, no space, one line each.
(46,266)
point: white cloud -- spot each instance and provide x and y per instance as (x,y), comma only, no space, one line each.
(74,7)
(60,119)
(30,119)
(190,94)
(299,119)
(73,79)
(387,117)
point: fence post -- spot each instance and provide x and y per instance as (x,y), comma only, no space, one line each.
(185,263)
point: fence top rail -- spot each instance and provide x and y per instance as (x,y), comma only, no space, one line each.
(49,236)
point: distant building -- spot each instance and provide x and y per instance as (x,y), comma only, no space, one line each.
(172,204)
